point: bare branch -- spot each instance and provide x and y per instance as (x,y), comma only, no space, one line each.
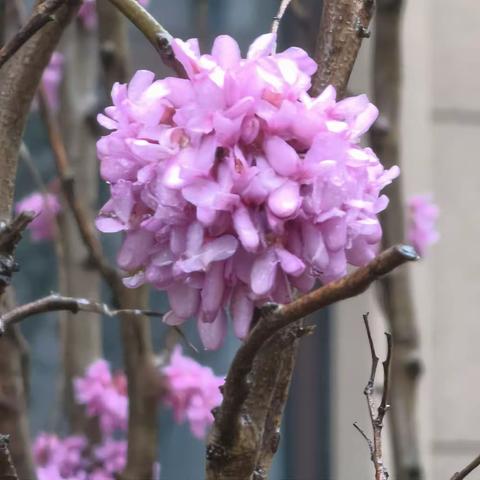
(343,26)
(276,317)
(467,470)
(42,16)
(365,436)
(78,208)
(155,33)
(376,419)
(19,80)
(278,17)
(55,302)
(373,353)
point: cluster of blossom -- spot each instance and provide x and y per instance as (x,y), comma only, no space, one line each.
(104,396)
(422,219)
(193,391)
(73,459)
(51,80)
(234,186)
(46,207)
(87,13)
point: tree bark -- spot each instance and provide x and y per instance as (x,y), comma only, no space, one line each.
(343,27)
(81,334)
(19,79)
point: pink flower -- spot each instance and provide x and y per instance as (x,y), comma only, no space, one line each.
(423,215)
(52,78)
(234,186)
(69,458)
(60,458)
(47,207)
(111,455)
(88,13)
(192,391)
(104,396)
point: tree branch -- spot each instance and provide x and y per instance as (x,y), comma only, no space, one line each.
(42,16)
(343,26)
(10,235)
(55,302)
(19,79)
(78,209)
(284,358)
(467,470)
(376,418)
(228,425)
(155,33)
(278,17)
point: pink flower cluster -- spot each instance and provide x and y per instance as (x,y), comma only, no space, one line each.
(234,186)
(104,396)
(423,215)
(71,458)
(88,13)
(193,391)
(46,206)
(52,78)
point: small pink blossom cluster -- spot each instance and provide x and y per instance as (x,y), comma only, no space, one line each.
(52,78)
(104,396)
(71,458)
(46,206)
(234,186)
(193,391)
(423,216)
(88,13)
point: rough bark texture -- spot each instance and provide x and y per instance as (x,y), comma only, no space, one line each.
(343,26)
(395,289)
(81,334)
(13,398)
(251,454)
(236,442)
(7,469)
(142,378)
(19,79)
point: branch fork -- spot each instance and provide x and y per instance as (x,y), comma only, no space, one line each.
(377,414)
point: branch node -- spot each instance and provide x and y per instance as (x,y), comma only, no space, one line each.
(362,32)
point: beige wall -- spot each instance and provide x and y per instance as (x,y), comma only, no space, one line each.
(440,133)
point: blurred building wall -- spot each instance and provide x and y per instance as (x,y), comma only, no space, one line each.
(440,130)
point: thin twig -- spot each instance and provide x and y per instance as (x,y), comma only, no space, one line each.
(68,185)
(467,470)
(365,436)
(42,16)
(55,302)
(278,17)
(376,418)
(274,318)
(155,33)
